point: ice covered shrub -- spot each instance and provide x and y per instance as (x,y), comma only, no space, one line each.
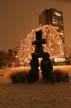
(60,75)
(17,77)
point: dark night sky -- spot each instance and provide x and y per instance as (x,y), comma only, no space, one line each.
(18,17)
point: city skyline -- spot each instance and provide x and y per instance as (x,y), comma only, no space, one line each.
(19,17)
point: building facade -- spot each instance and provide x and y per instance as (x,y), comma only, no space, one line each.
(55,18)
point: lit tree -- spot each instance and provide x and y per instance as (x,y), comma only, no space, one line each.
(54,44)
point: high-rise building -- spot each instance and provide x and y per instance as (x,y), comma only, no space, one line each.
(55,18)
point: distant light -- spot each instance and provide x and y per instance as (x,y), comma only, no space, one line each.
(62,34)
(54,22)
(58,14)
(16,56)
(59,59)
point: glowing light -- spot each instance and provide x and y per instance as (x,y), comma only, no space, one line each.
(58,14)
(54,44)
(59,59)
(61,33)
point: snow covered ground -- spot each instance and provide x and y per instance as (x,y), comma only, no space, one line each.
(36,95)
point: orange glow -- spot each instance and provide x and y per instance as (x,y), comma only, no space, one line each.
(54,44)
